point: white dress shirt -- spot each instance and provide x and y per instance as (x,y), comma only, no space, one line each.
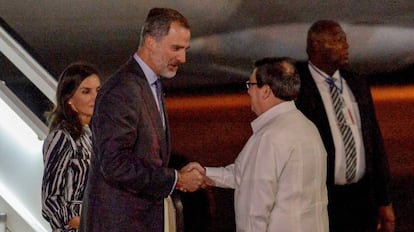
(352,118)
(279,176)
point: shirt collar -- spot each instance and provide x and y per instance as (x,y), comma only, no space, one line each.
(320,75)
(149,74)
(270,114)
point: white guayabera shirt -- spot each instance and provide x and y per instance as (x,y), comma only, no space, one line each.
(279,177)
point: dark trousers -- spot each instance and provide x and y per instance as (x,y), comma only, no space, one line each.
(351,209)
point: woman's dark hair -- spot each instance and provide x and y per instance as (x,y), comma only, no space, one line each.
(62,114)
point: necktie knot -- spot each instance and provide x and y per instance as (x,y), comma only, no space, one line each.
(158,87)
(331,81)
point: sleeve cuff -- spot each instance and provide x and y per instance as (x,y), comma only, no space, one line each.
(175,182)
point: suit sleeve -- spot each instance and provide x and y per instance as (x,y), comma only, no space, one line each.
(380,166)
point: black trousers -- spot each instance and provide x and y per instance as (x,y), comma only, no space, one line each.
(351,208)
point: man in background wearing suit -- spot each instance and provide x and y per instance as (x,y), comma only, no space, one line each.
(129,178)
(358,172)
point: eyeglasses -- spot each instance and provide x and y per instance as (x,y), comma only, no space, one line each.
(249,84)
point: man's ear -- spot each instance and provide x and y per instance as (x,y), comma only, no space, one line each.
(266,91)
(149,43)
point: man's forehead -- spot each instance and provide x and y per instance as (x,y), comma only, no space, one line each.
(178,32)
(253,75)
(331,35)
(334,31)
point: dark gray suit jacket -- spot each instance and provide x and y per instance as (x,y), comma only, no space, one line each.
(128,176)
(376,177)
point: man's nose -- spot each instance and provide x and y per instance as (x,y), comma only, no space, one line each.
(182,57)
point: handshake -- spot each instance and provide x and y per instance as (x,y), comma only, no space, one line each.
(192,177)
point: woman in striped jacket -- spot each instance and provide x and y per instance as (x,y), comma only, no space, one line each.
(67,148)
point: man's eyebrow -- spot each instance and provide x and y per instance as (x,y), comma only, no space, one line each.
(180,46)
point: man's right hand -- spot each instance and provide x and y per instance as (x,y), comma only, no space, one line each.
(190,181)
(193,177)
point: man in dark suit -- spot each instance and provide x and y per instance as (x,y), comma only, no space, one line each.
(358,172)
(129,178)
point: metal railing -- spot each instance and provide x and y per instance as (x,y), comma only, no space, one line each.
(35,72)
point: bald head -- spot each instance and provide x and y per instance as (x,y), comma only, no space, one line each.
(327,46)
(317,31)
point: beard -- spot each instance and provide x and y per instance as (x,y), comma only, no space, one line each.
(168,73)
(167,69)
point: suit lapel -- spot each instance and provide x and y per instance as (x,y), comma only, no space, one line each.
(352,82)
(154,113)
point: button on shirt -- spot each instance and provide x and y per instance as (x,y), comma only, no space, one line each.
(352,117)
